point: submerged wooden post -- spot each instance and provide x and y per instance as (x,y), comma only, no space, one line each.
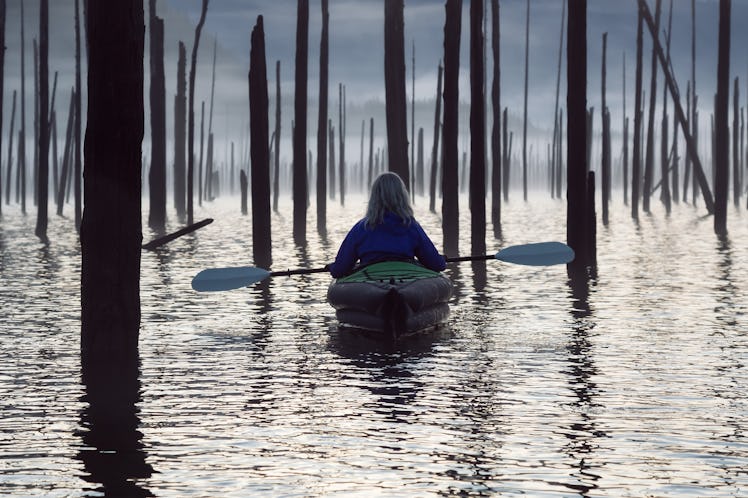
(450,164)
(394,86)
(111,225)
(157,174)
(435,147)
(299,129)
(2,84)
(258,146)
(43,146)
(477,132)
(322,122)
(576,103)
(605,136)
(722,132)
(496,124)
(180,135)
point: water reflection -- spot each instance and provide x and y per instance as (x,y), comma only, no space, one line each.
(581,371)
(112,452)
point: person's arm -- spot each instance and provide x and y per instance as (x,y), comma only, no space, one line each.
(426,251)
(347,254)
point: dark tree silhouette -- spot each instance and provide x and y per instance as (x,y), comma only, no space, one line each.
(21,175)
(208,190)
(276,150)
(625,139)
(2,87)
(556,143)
(180,121)
(243,184)
(9,163)
(413,173)
(157,174)
(299,129)
(111,230)
(371,154)
(736,144)
(322,122)
(191,116)
(722,132)
(450,156)
(77,167)
(43,145)
(435,148)
(636,153)
(524,120)
(341,140)
(496,125)
(649,154)
(665,196)
(331,133)
(65,173)
(394,86)
(606,135)
(259,152)
(576,104)
(477,131)
(200,157)
(419,163)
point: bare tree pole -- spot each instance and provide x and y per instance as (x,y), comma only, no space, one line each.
(698,170)
(576,103)
(450,130)
(9,163)
(736,170)
(191,117)
(649,154)
(111,228)
(180,121)
(371,154)
(276,150)
(394,82)
(299,129)
(209,161)
(413,124)
(200,157)
(606,135)
(157,174)
(625,140)
(694,116)
(524,123)
(322,121)
(477,131)
(2,85)
(664,147)
(496,125)
(21,183)
(259,152)
(636,160)
(43,146)
(722,156)
(35,162)
(435,147)
(341,141)
(77,166)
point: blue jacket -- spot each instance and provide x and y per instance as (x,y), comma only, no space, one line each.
(390,240)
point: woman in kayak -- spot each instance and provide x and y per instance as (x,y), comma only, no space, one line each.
(389,232)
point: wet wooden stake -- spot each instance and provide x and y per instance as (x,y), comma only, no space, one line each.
(299,129)
(450,161)
(157,174)
(322,121)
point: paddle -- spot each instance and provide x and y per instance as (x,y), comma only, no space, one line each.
(538,254)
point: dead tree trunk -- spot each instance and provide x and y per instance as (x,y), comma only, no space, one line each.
(10,149)
(276,150)
(35,162)
(21,183)
(259,152)
(180,121)
(636,160)
(698,170)
(341,141)
(322,122)
(450,159)
(43,146)
(208,189)
(722,132)
(299,129)
(477,131)
(331,133)
(736,170)
(625,140)
(576,74)
(65,173)
(664,147)
(2,84)
(157,174)
(605,136)
(371,154)
(496,125)
(191,117)
(435,147)
(200,157)
(77,167)
(419,163)
(524,121)
(111,231)
(394,83)
(649,157)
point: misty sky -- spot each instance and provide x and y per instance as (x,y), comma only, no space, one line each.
(357,58)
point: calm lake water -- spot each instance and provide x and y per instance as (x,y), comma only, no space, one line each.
(634,388)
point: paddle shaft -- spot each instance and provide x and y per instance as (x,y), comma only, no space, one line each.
(302,271)
(481,257)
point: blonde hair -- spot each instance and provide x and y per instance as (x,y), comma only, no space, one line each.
(388,193)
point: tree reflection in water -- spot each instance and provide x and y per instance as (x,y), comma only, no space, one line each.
(112,452)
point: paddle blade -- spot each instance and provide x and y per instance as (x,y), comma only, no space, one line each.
(538,254)
(221,279)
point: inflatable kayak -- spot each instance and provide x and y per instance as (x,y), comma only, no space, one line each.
(393,298)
